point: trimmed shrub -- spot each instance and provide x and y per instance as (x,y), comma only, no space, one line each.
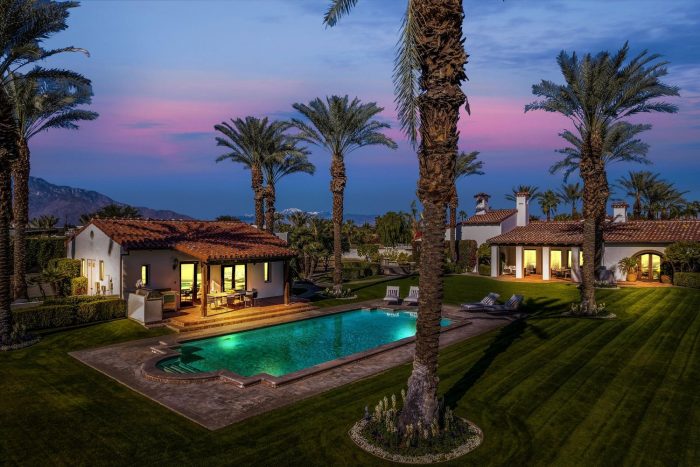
(687,279)
(485,269)
(41,250)
(58,313)
(466,254)
(78,286)
(67,267)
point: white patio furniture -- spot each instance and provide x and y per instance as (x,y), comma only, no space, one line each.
(412,298)
(392,294)
(485,302)
(511,305)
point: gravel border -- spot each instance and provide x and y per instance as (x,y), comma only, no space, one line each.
(19,345)
(471,444)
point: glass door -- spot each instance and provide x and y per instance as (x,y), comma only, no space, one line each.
(649,267)
(188,282)
(530,261)
(234,278)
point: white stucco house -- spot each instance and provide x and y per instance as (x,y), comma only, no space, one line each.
(485,223)
(553,249)
(192,257)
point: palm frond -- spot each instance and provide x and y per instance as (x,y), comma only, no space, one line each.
(336,10)
(406,74)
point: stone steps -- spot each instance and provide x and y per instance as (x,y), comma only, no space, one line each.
(239,317)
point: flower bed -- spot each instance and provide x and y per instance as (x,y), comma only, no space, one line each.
(447,437)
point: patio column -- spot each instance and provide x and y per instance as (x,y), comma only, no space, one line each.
(495,260)
(575,269)
(518,262)
(204,287)
(546,264)
(286,283)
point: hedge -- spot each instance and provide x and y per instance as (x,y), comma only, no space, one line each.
(354,270)
(466,254)
(41,250)
(78,286)
(687,279)
(485,269)
(67,267)
(58,315)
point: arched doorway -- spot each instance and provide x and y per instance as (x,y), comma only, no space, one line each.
(649,266)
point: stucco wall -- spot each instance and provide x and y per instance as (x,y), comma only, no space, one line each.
(93,244)
(275,288)
(161,262)
(614,253)
(479,233)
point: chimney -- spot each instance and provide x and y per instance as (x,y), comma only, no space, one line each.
(521,203)
(620,211)
(482,203)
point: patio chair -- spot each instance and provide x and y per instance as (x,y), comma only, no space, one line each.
(392,294)
(412,298)
(512,304)
(488,300)
(249,297)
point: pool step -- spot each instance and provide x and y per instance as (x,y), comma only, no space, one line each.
(179,368)
(270,312)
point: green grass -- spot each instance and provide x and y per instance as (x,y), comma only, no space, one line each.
(546,391)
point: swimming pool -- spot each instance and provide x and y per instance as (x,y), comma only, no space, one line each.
(286,348)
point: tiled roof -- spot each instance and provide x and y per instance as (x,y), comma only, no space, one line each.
(205,240)
(571,232)
(493,217)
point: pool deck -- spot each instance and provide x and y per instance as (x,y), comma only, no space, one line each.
(215,403)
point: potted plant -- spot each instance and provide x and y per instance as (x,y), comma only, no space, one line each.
(628,266)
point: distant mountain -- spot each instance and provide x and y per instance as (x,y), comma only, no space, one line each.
(359,219)
(68,203)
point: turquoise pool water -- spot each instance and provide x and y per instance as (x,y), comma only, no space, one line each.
(286,348)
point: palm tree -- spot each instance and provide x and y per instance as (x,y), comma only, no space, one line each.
(23,25)
(662,199)
(428,73)
(549,201)
(600,91)
(294,160)
(465,164)
(340,126)
(40,105)
(112,211)
(531,190)
(251,141)
(636,185)
(462,215)
(46,222)
(570,193)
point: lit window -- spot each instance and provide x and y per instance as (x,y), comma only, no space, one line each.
(530,259)
(145,274)
(102,270)
(234,277)
(83,268)
(266,272)
(555,260)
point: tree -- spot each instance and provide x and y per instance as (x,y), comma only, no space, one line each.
(226,218)
(40,105)
(24,24)
(599,92)
(288,159)
(684,256)
(636,185)
(549,201)
(462,215)
(428,73)
(393,228)
(250,142)
(570,193)
(112,211)
(662,200)
(531,190)
(465,164)
(44,222)
(340,126)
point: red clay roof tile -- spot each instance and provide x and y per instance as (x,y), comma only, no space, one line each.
(493,217)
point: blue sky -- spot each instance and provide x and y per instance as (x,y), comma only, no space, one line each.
(164,72)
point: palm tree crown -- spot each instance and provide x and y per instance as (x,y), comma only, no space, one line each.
(290,160)
(570,193)
(549,201)
(531,190)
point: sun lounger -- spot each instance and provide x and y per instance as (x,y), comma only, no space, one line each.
(511,305)
(488,300)
(412,298)
(392,294)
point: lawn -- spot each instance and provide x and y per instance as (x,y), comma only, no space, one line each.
(546,391)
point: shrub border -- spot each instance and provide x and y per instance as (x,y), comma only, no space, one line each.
(471,444)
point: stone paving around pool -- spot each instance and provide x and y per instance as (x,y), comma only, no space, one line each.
(215,403)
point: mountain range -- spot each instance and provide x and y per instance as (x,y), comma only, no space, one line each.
(68,203)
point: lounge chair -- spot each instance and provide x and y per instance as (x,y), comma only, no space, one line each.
(412,298)
(512,304)
(485,302)
(392,294)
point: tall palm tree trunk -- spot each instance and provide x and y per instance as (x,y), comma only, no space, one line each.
(594,193)
(453,224)
(20,172)
(259,193)
(338,181)
(270,198)
(5,255)
(442,58)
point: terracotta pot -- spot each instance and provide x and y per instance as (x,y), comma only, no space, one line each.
(631,277)
(665,279)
